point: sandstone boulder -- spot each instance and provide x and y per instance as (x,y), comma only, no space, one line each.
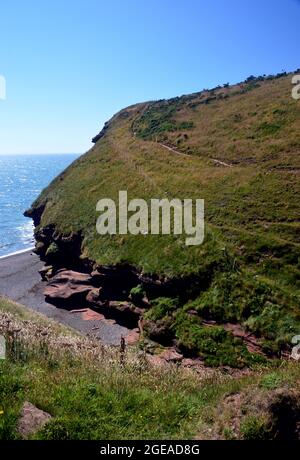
(32,420)
(70,276)
(94,296)
(66,293)
(46,272)
(171,356)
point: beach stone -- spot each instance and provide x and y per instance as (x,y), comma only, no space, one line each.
(94,295)
(68,286)
(46,272)
(133,337)
(171,356)
(124,307)
(70,276)
(66,292)
(32,420)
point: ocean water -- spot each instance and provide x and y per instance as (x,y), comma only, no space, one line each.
(22,178)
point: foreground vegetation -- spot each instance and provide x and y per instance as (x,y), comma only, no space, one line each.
(93,394)
(238,148)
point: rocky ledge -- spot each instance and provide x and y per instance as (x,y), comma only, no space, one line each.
(99,290)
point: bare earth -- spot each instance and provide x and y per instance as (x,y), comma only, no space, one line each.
(20,281)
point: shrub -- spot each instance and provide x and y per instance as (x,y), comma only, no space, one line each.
(52,252)
(137,293)
(255,428)
(161,307)
(158,119)
(216,346)
(274,324)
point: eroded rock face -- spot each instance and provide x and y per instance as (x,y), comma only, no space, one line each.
(67,287)
(74,290)
(70,276)
(94,296)
(32,420)
(101,134)
(35,213)
(58,249)
(66,292)
(116,282)
(126,307)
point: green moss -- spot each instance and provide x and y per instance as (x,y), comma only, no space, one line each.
(52,250)
(137,293)
(161,307)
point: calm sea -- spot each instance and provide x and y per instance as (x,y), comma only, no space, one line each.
(22,177)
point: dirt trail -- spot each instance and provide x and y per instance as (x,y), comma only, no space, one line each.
(172,149)
(222,163)
(178,152)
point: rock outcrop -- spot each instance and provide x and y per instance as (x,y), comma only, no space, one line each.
(68,287)
(99,290)
(32,420)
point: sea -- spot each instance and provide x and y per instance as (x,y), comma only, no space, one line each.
(22,178)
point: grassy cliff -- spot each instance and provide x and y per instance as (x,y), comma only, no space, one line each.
(238,148)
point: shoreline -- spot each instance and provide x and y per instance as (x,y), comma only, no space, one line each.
(21,282)
(21,251)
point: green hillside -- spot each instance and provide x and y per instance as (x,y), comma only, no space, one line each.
(238,148)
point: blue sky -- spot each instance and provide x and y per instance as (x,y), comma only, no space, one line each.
(70,65)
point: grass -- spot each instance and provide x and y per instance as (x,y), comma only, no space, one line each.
(91,395)
(254,429)
(86,389)
(248,266)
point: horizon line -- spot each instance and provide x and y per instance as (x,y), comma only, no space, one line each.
(42,153)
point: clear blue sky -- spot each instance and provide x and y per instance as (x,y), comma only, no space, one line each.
(71,64)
